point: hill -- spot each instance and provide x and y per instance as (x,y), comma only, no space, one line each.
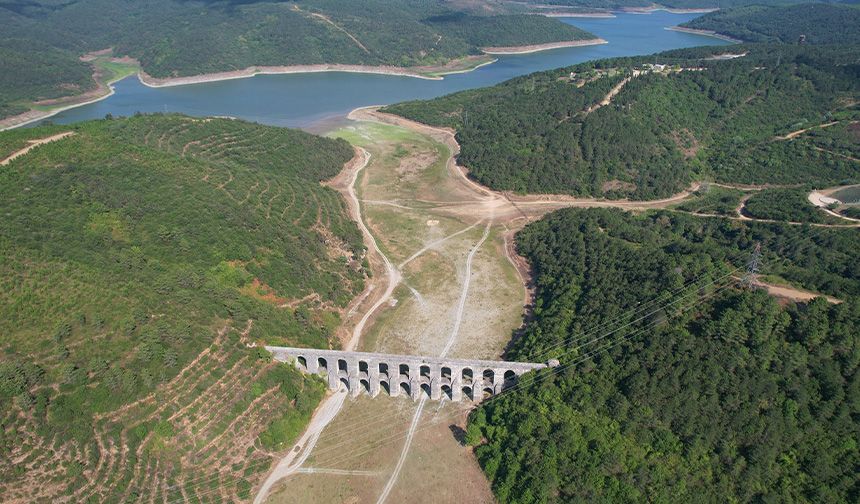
(139,259)
(31,71)
(592,5)
(174,38)
(646,127)
(817,23)
(675,384)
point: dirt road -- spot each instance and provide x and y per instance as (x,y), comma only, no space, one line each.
(456,273)
(479,202)
(455,332)
(33,144)
(326,412)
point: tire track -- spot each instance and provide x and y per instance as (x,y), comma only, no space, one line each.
(458,319)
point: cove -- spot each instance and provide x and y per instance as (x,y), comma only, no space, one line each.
(314,101)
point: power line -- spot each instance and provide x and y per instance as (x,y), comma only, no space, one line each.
(753,266)
(581,358)
(400,435)
(521,383)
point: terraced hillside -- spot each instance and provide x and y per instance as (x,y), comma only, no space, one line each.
(141,259)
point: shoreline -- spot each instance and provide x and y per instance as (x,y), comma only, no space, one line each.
(706,33)
(431,73)
(155,82)
(526,49)
(427,73)
(611,13)
(561,14)
(40,115)
(670,10)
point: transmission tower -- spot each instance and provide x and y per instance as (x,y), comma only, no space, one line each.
(753,266)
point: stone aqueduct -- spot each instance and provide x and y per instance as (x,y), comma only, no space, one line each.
(438,378)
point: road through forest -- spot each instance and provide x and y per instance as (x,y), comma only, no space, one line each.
(453,285)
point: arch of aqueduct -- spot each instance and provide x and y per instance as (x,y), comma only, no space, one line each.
(410,375)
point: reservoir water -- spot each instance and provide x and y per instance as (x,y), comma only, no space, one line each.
(312,100)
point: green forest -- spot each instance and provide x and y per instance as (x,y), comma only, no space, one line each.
(31,70)
(139,259)
(679,116)
(676,384)
(816,23)
(786,204)
(672,4)
(42,40)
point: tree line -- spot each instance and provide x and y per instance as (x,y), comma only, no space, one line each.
(727,395)
(679,116)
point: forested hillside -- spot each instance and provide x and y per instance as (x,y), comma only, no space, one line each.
(32,71)
(139,259)
(676,385)
(180,38)
(815,23)
(672,4)
(646,127)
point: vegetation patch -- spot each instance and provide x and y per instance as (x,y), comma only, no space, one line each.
(711,199)
(789,205)
(139,261)
(660,122)
(723,394)
(813,23)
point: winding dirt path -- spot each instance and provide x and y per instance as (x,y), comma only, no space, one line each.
(327,20)
(33,144)
(502,207)
(473,204)
(291,463)
(325,413)
(770,221)
(393,274)
(799,132)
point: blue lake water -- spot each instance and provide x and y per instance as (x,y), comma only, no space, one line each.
(314,99)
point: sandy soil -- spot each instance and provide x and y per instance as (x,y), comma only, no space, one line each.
(707,33)
(822,200)
(460,65)
(562,14)
(459,295)
(799,295)
(542,47)
(649,10)
(33,144)
(799,132)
